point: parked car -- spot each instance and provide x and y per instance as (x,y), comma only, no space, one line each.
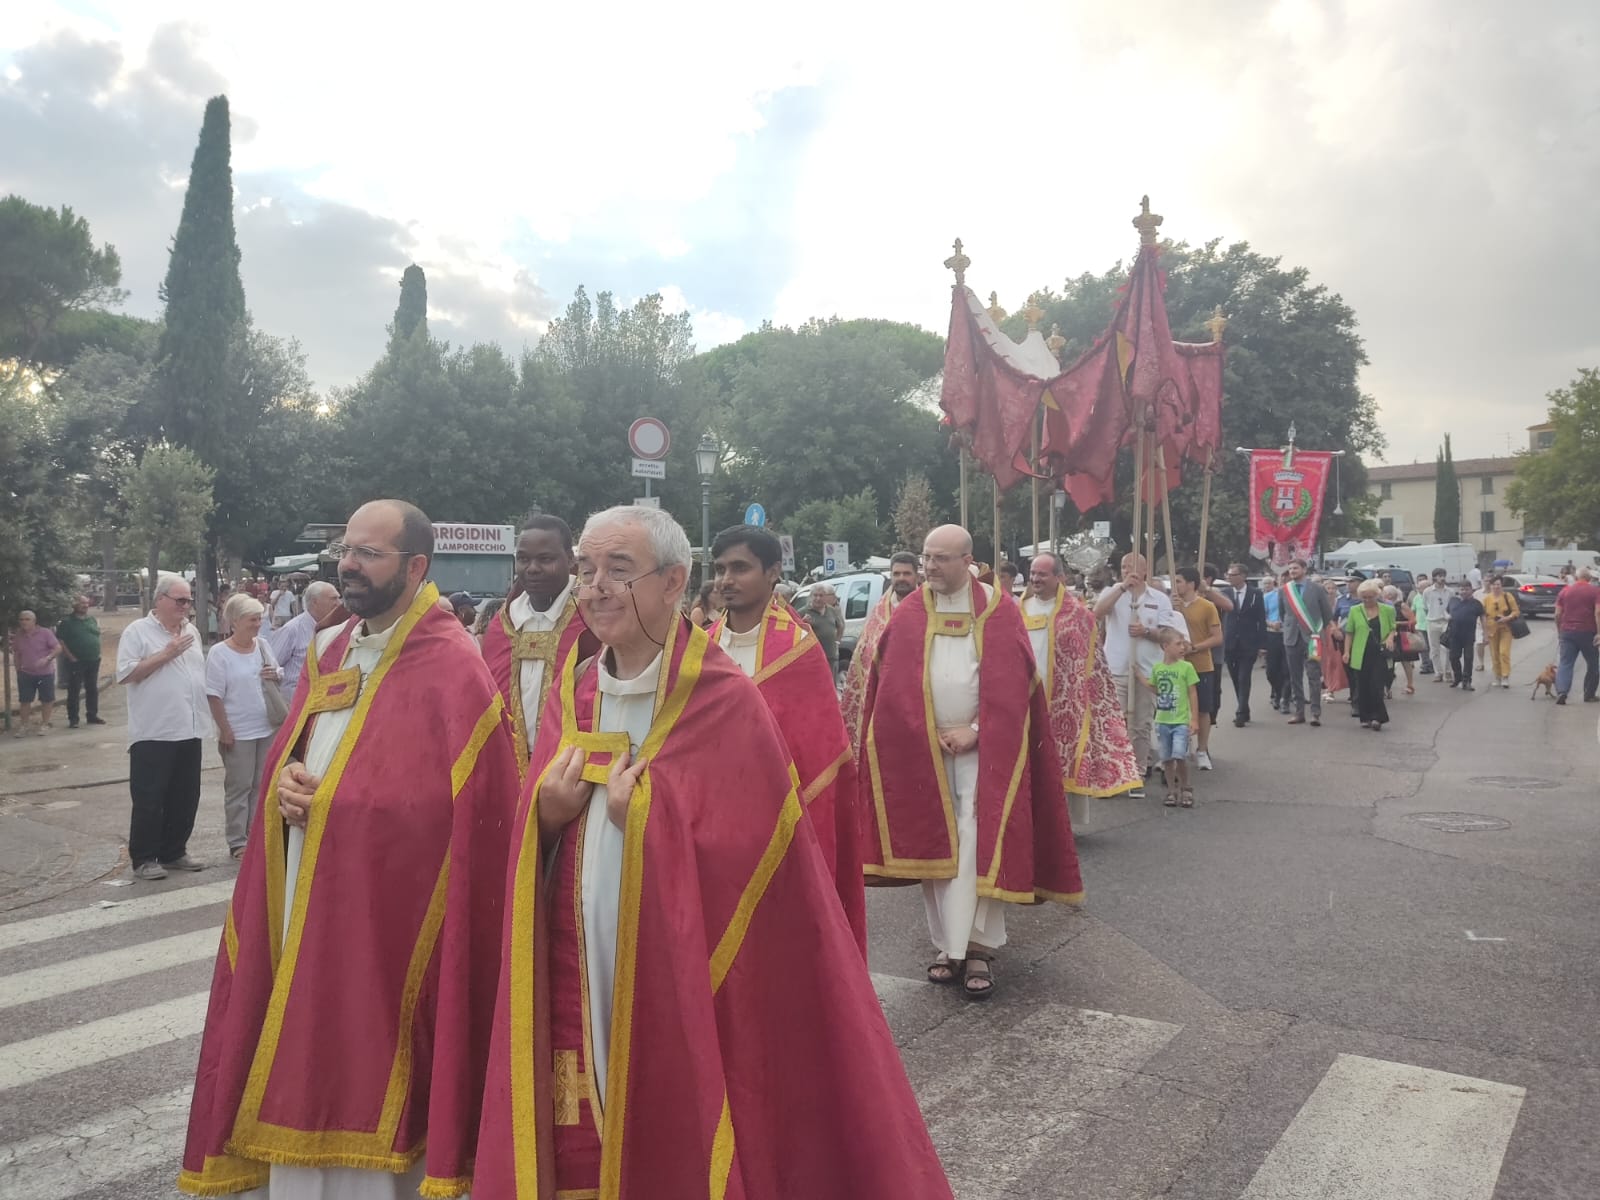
(1536,594)
(857,594)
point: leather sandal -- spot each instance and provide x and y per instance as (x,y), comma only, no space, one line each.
(942,970)
(983,976)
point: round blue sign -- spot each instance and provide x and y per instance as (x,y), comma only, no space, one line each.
(755,515)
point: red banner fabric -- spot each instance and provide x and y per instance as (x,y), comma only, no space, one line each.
(1286,494)
(988,391)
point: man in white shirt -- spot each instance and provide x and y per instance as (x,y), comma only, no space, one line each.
(283,604)
(1133,613)
(159,658)
(1436,599)
(290,643)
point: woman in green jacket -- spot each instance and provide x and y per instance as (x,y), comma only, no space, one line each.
(1369,632)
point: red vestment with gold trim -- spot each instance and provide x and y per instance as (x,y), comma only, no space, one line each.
(505,649)
(730,1073)
(359,1038)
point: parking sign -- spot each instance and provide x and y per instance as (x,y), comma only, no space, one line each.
(835,557)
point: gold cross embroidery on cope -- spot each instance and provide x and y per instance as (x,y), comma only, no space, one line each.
(1036,620)
(572,1085)
(952,624)
(334,690)
(535,645)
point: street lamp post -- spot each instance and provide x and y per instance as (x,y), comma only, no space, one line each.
(705,462)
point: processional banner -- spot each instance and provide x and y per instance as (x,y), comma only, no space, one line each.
(1286,496)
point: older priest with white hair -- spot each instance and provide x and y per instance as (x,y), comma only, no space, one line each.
(963,782)
(653,1036)
(347,1035)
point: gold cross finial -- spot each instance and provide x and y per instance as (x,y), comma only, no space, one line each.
(996,313)
(1217,323)
(959,262)
(1055,341)
(1147,222)
(1033,313)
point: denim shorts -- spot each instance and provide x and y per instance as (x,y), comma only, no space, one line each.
(42,686)
(1172,742)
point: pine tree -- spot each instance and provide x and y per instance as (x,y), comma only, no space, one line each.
(1446,498)
(204,297)
(412,312)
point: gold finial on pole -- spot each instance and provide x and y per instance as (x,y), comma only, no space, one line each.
(996,313)
(959,262)
(1033,313)
(1217,323)
(1055,341)
(1147,222)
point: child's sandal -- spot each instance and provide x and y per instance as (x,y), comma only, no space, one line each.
(1187,800)
(1172,800)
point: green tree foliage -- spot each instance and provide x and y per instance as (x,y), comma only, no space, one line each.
(1557,491)
(49,268)
(1446,497)
(813,413)
(1293,356)
(169,502)
(852,519)
(411,314)
(914,512)
(205,309)
(37,541)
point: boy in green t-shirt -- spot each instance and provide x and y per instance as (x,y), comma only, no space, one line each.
(1175,683)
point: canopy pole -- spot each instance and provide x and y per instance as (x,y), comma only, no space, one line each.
(964,523)
(1134,536)
(1205,507)
(1166,508)
(998,553)
(1034,482)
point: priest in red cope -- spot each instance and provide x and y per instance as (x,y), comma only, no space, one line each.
(962,777)
(903,572)
(536,628)
(772,645)
(652,1036)
(348,1031)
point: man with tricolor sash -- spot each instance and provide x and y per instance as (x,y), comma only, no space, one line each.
(1086,720)
(347,1036)
(772,645)
(682,1010)
(903,571)
(536,628)
(1308,610)
(963,785)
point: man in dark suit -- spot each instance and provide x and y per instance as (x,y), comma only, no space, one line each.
(1244,636)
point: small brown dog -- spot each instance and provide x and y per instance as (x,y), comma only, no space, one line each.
(1547,681)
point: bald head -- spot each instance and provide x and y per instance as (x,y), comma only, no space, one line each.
(1044,576)
(946,555)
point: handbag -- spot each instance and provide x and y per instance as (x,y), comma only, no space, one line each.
(272,694)
(1518,626)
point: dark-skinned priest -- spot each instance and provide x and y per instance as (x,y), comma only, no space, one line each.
(773,646)
(536,628)
(348,1032)
(652,1036)
(962,777)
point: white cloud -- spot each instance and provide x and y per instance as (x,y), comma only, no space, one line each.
(710,328)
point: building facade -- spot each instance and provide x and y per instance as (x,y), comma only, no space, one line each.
(1405,505)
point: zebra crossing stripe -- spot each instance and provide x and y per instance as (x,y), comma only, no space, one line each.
(50,1054)
(1374,1130)
(58,979)
(83,920)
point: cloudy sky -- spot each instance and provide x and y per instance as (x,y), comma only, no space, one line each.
(1434,161)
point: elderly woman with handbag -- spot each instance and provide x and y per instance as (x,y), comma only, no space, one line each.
(242,679)
(1500,613)
(1369,634)
(1407,642)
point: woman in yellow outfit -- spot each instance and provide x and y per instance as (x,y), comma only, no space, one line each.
(1499,610)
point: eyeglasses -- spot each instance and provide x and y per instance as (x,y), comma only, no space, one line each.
(590,583)
(180,601)
(366,554)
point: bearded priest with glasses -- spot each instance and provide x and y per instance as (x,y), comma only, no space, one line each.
(682,1008)
(347,1036)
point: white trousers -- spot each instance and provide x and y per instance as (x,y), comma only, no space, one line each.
(957,918)
(339,1183)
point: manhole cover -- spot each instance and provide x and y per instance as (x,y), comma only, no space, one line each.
(1515,783)
(1459,822)
(39,768)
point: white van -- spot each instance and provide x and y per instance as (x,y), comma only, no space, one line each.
(1550,562)
(1457,558)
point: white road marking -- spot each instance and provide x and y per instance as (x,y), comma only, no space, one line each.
(1374,1130)
(81,920)
(1472,937)
(49,1054)
(42,983)
(97,1151)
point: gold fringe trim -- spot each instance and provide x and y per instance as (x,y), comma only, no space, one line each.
(195,1183)
(444,1189)
(395,1164)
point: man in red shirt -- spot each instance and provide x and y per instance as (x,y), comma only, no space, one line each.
(1577,606)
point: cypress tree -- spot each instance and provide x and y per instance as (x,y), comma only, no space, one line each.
(204,297)
(1446,498)
(412,312)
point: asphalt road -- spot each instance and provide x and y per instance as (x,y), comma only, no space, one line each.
(1295,990)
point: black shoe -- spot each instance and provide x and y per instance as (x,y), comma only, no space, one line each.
(1591,699)
(96,721)
(1467,687)
(1240,722)
(1316,720)
(72,724)
(1562,698)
